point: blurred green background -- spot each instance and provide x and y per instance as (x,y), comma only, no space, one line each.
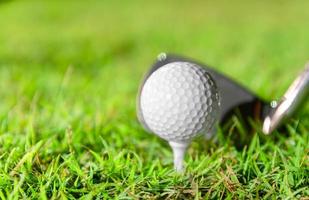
(69,74)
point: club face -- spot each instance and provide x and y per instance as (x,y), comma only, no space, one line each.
(232,95)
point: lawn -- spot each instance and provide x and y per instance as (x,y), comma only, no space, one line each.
(69,75)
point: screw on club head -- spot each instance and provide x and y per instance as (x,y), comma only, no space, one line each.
(162,56)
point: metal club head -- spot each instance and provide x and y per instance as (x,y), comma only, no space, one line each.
(236,100)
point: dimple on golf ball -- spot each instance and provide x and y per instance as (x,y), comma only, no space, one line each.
(179,101)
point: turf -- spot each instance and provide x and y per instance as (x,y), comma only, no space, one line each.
(69,73)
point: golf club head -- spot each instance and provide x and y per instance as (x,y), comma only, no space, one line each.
(233,96)
(237,100)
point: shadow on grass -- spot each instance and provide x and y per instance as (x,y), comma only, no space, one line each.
(239,132)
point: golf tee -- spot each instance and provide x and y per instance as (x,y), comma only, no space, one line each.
(179,150)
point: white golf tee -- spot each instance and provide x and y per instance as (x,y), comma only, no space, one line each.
(179,150)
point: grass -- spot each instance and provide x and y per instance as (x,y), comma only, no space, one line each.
(69,73)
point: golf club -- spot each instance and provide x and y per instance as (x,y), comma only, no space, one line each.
(234,96)
(233,99)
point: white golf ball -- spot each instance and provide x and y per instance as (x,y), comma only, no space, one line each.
(179,101)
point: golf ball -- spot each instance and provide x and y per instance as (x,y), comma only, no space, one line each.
(179,101)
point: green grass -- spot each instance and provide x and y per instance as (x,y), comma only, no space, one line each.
(69,73)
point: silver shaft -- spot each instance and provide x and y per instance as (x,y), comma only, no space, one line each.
(291,101)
